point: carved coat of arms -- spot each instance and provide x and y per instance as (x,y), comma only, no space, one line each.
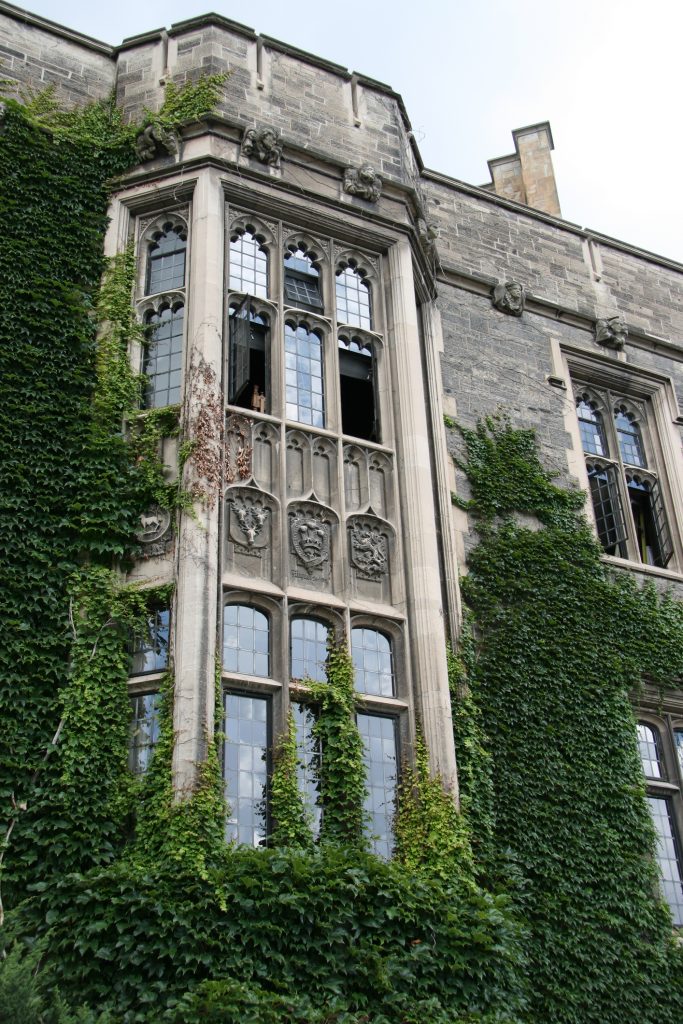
(310,537)
(369,551)
(248,521)
(154,532)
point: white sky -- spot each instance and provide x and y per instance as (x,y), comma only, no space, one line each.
(605,73)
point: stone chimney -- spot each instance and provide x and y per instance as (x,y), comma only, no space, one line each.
(527,175)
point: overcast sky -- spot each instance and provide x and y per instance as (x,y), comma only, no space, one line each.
(605,73)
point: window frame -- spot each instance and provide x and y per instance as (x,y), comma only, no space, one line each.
(665,723)
(656,395)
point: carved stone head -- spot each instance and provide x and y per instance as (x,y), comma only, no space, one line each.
(154,141)
(611,332)
(363,182)
(509,298)
(263,144)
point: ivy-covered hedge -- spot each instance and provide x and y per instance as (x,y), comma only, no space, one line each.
(559,645)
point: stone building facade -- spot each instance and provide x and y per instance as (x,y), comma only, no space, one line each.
(334,299)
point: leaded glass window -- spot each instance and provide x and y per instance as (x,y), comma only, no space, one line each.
(353,298)
(668,855)
(302,281)
(162,357)
(246,640)
(309,756)
(304,375)
(629,436)
(144,731)
(381,764)
(166,260)
(678,737)
(649,746)
(591,427)
(149,646)
(245,767)
(248,264)
(372,662)
(309,649)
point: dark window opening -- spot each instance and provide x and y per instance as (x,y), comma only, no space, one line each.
(302,281)
(652,533)
(359,412)
(248,375)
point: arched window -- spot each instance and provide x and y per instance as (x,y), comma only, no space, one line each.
(630,437)
(591,426)
(246,641)
(357,388)
(308,649)
(650,748)
(162,356)
(353,297)
(166,259)
(249,358)
(373,662)
(302,279)
(248,263)
(304,375)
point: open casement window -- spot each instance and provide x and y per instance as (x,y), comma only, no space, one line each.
(625,490)
(657,756)
(357,388)
(249,359)
(302,281)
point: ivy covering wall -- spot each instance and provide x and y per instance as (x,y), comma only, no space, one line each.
(536,904)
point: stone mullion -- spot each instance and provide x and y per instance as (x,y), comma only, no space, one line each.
(421,556)
(198,581)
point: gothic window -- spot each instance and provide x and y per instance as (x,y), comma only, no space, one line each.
(678,739)
(308,650)
(245,767)
(309,755)
(626,493)
(149,646)
(372,662)
(378,733)
(144,731)
(662,798)
(249,358)
(248,263)
(246,641)
(166,259)
(162,356)
(353,297)
(304,375)
(302,279)
(357,388)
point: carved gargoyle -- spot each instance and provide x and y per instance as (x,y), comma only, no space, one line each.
(611,332)
(154,141)
(363,182)
(509,298)
(263,144)
(428,234)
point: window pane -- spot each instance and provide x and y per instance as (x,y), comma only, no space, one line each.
(248,265)
(144,731)
(353,299)
(591,426)
(649,745)
(245,769)
(630,438)
(308,649)
(302,281)
(379,740)
(678,734)
(246,640)
(161,361)
(166,262)
(609,517)
(304,377)
(308,752)
(668,855)
(372,661)
(149,649)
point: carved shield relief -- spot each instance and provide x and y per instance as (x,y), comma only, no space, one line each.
(310,535)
